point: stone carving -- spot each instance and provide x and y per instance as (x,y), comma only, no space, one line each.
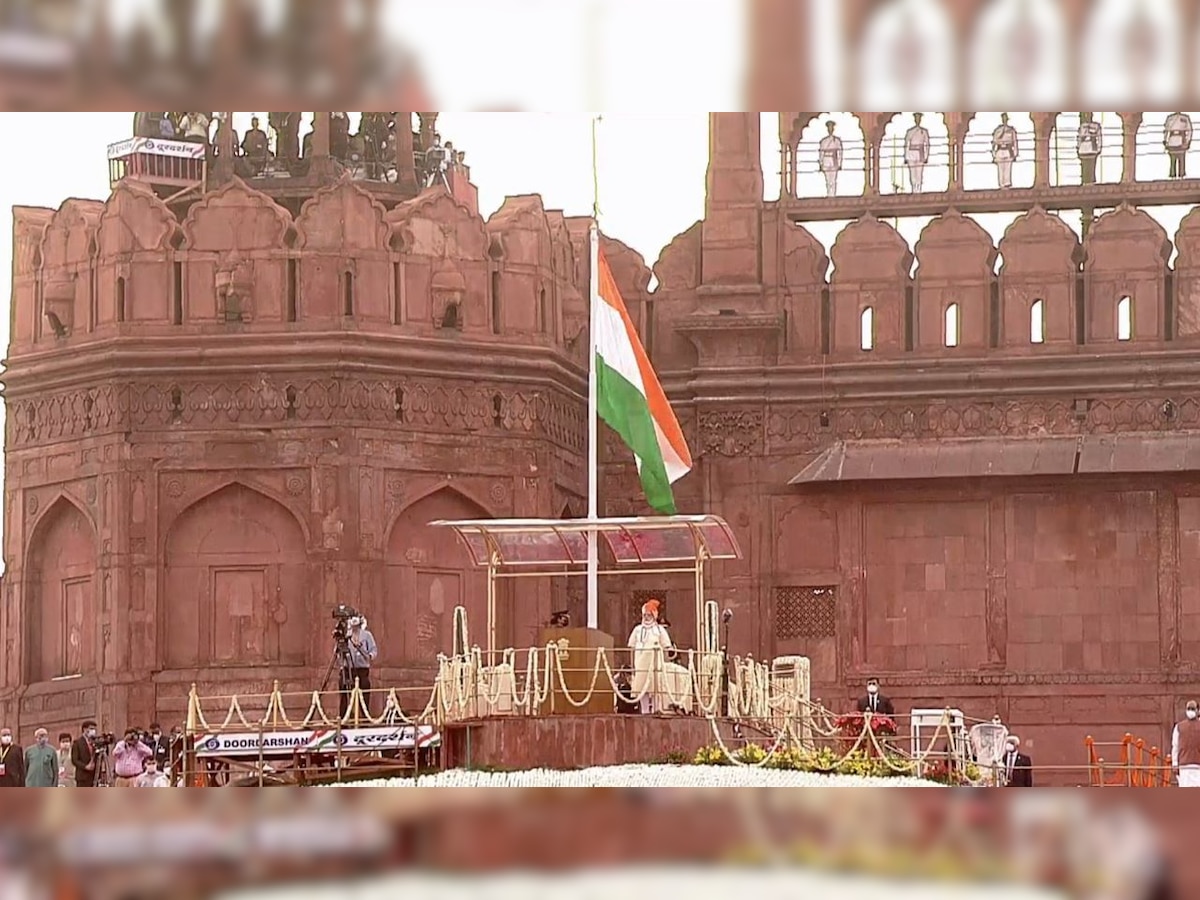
(498,493)
(432,404)
(730,432)
(31,505)
(295,485)
(174,488)
(801,427)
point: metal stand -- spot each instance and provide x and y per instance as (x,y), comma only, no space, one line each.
(103,769)
(725,666)
(340,662)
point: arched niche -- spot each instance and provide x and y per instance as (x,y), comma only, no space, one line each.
(1069,153)
(955,263)
(983,150)
(428,573)
(235,584)
(904,146)
(1187,278)
(814,172)
(1041,262)
(871,265)
(61,591)
(805,266)
(1154,161)
(1019,56)
(906,56)
(345,266)
(1126,255)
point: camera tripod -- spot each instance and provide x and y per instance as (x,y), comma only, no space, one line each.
(340,663)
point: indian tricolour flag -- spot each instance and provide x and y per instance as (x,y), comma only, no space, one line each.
(630,399)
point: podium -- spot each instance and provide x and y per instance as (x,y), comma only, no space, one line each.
(578,648)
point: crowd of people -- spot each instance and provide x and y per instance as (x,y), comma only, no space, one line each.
(90,759)
(276,150)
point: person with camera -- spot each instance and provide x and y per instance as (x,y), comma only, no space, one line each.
(129,758)
(84,756)
(362,652)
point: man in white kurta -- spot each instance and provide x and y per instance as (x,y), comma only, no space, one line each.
(1004,150)
(916,153)
(1177,139)
(1185,747)
(829,154)
(649,642)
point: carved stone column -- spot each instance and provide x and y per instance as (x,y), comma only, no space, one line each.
(1043,128)
(1130,122)
(406,173)
(1167,508)
(996,600)
(225,139)
(957,124)
(321,166)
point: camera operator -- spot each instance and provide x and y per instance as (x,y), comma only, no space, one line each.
(161,745)
(362,652)
(129,758)
(83,756)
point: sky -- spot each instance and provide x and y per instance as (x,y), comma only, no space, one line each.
(651,166)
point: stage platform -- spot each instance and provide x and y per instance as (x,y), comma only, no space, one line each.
(574,742)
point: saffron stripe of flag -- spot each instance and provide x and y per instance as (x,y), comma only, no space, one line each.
(630,399)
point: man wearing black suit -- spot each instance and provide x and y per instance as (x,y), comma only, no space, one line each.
(83,756)
(1018,767)
(875,702)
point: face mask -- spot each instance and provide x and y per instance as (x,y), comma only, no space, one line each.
(1191,713)
(65,748)
(1012,748)
(6,739)
(91,732)
(156,735)
(872,689)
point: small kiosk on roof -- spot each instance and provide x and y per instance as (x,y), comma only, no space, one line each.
(527,548)
(171,169)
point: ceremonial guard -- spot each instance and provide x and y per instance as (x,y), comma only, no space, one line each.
(916,153)
(1004,150)
(1177,138)
(1088,144)
(830,158)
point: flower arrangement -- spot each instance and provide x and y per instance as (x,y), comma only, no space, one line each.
(822,761)
(851,725)
(643,775)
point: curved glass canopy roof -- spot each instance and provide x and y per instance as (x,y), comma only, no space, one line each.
(563,542)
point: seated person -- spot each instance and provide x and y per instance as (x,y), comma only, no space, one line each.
(255,148)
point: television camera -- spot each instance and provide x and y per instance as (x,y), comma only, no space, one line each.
(342,614)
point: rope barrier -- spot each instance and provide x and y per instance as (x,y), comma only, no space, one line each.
(774,699)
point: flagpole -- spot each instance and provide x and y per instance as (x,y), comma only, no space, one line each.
(593,464)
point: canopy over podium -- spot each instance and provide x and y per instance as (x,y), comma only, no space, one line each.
(523,548)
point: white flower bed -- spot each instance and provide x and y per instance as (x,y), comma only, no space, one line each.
(642,776)
(643,881)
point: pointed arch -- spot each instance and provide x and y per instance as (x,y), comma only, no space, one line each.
(234,582)
(343,215)
(236,217)
(190,499)
(60,593)
(427,574)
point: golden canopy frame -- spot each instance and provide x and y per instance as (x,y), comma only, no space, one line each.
(527,548)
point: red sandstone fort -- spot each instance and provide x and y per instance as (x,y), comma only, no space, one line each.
(229,412)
